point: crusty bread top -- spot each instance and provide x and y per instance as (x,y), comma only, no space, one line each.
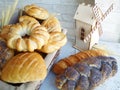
(36,11)
(52,24)
(55,42)
(61,65)
(37,36)
(28,18)
(24,67)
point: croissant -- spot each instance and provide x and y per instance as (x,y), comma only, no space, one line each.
(88,74)
(61,65)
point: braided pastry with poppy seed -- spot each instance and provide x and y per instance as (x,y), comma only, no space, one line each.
(88,74)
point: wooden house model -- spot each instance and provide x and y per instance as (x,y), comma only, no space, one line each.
(88,25)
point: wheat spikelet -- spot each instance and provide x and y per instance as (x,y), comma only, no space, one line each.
(104,48)
(7,15)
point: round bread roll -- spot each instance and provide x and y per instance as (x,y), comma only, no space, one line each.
(4,31)
(27,18)
(36,11)
(27,36)
(24,67)
(52,24)
(55,42)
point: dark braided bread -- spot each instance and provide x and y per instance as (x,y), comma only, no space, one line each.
(88,74)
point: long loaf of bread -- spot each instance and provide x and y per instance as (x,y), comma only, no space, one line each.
(87,75)
(60,66)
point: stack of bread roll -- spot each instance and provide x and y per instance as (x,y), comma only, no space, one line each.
(36,31)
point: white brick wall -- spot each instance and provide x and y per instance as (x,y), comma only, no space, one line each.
(66,9)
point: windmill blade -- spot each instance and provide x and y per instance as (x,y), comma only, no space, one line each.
(107,12)
(97,12)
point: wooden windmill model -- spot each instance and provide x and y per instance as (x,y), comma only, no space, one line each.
(88,25)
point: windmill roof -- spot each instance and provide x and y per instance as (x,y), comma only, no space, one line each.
(85,14)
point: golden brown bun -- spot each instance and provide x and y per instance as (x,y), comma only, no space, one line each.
(24,67)
(36,37)
(52,24)
(60,66)
(27,18)
(55,42)
(4,32)
(36,11)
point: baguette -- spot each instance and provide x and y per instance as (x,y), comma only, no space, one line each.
(61,65)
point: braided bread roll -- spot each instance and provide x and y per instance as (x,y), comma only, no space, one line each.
(6,29)
(88,74)
(60,66)
(27,36)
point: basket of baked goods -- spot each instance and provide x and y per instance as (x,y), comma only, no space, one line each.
(29,47)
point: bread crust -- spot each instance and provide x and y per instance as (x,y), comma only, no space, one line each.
(24,67)
(85,76)
(36,12)
(27,18)
(60,66)
(4,31)
(52,24)
(37,36)
(55,42)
